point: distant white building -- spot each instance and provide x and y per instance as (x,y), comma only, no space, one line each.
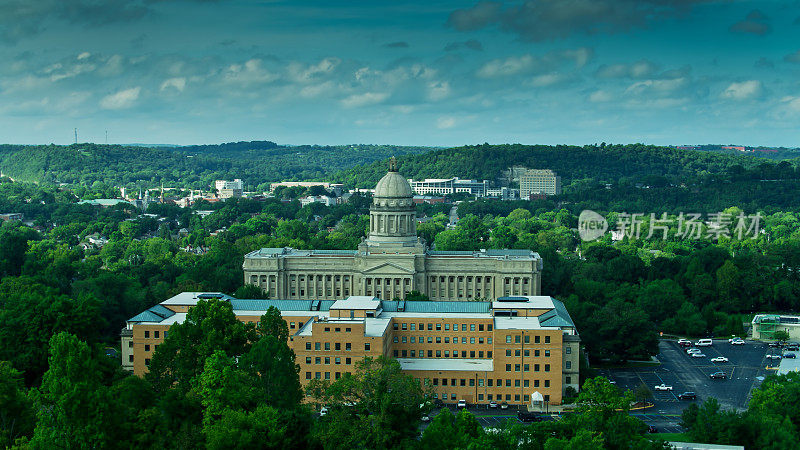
(444,186)
(539,182)
(228,189)
(766,325)
(503,193)
(324,199)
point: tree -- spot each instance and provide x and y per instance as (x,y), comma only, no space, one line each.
(377,407)
(447,431)
(210,326)
(603,410)
(250,291)
(781,336)
(264,428)
(72,404)
(16,414)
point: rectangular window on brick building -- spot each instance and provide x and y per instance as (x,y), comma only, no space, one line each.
(146,334)
(547,339)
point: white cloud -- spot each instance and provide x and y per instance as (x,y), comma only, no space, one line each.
(657,86)
(251,72)
(505,67)
(302,73)
(600,96)
(528,63)
(548,79)
(445,122)
(84,55)
(365,99)
(178,84)
(743,91)
(439,90)
(121,100)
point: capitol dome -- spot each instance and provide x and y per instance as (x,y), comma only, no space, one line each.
(393,185)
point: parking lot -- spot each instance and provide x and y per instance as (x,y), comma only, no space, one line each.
(744,371)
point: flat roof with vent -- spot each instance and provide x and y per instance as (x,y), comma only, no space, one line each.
(524,302)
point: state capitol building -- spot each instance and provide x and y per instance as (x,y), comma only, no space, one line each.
(486,335)
(392,261)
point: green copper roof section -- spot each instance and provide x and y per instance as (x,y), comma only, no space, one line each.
(155,314)
(282,305)
(557,317)
(438,307)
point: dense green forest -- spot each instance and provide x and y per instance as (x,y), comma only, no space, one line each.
(256,163)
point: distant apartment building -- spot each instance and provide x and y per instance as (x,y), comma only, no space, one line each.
(444,186)
(536,182)
(228,189)
(521,350)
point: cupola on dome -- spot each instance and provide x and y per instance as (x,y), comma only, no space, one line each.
(393,185)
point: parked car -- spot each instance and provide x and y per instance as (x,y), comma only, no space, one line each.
(492,404)
(697,355)
(719,359)
(704,343)
(662,387)
(793,346)
(773,356)
(775,344)
(684,342)
(461,404)
(789,355)
(323,411)
(737,342)
(693,350)
(525,416)
(687,396)
(718,375)
(652,429)
(504,405)
(425,418)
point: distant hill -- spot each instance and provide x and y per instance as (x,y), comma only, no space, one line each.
(633,178)
(603,163)
(256,163)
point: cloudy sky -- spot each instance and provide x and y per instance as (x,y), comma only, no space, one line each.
(400,72)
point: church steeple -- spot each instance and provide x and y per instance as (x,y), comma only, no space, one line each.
(392,164)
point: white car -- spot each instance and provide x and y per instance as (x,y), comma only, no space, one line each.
(462,404)
(773,356)
(323,411)
(693,350)
(683,341)
(698,355)
(737,342)
(719,359)
(662,387)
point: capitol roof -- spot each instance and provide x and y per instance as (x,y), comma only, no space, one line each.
(393,185)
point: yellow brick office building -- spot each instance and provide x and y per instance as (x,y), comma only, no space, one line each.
(392,261)
(508,350)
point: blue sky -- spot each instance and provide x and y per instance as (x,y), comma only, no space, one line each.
(401,72)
